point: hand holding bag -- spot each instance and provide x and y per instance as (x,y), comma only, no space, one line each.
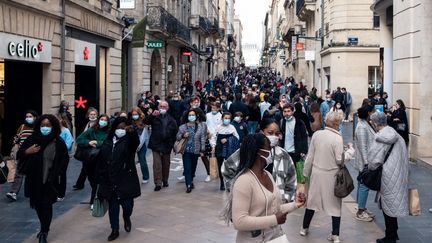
(344,184)
(179,146)
(100,206)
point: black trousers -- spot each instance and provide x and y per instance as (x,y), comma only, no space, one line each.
(295,157)
(88,171)
(308,218)
(391,225)
(44,212)
(220,161)
(63,182)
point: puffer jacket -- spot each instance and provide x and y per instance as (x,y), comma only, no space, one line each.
(364,136)
(199,139)
(284,173)
(394,180)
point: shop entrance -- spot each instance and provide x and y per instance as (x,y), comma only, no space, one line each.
(20,90)
(86,87)
(156,73)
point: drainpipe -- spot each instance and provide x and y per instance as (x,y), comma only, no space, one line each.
(62,48)
(322,24)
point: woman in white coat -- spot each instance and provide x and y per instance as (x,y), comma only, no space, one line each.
(393,195)
(322,162)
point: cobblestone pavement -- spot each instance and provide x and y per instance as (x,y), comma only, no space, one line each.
(171,215)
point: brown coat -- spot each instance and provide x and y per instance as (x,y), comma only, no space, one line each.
(321,165)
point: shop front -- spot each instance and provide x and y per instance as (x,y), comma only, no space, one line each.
(22,63)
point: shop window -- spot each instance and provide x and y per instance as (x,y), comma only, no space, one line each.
(376,21)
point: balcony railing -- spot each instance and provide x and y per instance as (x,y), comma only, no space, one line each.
(161,20)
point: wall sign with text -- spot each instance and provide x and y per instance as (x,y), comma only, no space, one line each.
(14,47)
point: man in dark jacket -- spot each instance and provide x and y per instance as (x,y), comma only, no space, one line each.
(176,108)
(300,115)
(294,135)
(164,131)
(238,105)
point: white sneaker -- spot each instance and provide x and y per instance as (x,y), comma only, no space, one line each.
(334,238)
(370,213)
(207,179)
(60,199)
(430,210)
(145,181)
(12,196)
(304,232)
(364,216)
(91,207)
(181,178)
(178,168)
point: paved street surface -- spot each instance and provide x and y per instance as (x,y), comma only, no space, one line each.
(171,215)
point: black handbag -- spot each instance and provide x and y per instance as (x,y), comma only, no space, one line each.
(372,178)
(86,154)
(344,183)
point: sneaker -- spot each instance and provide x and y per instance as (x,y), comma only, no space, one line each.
(91,207)
(60,199)
(364,217)
(145,181)
(334,238)
(207,179)
(304,232)
(178,168)
(181,178)
(12,196)
(372,215)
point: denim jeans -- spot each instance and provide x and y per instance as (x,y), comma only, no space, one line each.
(114,210)
(362,195)
(190,161)
(143,162)
(252,126)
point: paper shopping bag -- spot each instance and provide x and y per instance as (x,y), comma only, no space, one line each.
(214,170)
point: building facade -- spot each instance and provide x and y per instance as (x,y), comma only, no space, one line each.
(238,51)
(405,61)
(58,50)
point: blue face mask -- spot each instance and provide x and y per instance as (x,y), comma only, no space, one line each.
(45,130)
(103,124)
(29,120)
(120,133)
(226,122)
(192,118)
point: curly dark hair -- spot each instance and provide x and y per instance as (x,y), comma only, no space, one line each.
(115,124)
(56,130)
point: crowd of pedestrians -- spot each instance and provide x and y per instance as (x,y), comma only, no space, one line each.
(259,127)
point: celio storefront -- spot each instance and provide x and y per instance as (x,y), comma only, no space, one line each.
(22,64)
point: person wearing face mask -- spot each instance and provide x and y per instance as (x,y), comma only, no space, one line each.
(93,137)
(194,103)
(65,115)
(294,134)
(23,132)
(162,139)
(43,157)
(326,106)
(321,165)
(92,116)
(143,133)
(255,206)
(195,134)
(116,173)
(224,142)
(176,108)
(214,118)
(282,167)
(240,125)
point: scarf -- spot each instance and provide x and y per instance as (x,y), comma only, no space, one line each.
(48,159)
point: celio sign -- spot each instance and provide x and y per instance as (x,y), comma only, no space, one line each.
(20,48)
(24,49)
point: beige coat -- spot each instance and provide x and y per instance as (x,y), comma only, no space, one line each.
(321,165)
(249,209)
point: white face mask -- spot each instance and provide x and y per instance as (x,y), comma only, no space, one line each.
(269,158)
(92,119)
(274,140)
(162,111)
(120,133)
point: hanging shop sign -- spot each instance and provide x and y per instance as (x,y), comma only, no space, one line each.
(155,44)
(293,48)
(85,53)
(14,47)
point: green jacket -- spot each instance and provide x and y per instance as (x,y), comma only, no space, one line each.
(89,135)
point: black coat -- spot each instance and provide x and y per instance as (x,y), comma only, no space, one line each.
(300,136)
(300,115)
(34,187)
(163,135)
(239,106)
(115,169)
(401,125)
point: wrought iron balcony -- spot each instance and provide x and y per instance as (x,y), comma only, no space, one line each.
(205,25)
(160,20)
(304,8)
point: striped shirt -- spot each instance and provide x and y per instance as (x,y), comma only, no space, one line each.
(22,134)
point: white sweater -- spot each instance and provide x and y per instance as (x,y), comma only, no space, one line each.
(221,129)
(213,121)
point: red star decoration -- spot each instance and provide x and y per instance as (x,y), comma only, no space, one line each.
(40,46)
(86,53)
(80,102)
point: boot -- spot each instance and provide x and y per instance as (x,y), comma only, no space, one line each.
(114,235)
(42,237)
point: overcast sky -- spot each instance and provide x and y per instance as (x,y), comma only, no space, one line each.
(252,14)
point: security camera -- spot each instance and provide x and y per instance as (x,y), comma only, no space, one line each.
(128,21)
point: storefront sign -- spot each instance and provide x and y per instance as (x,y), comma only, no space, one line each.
(310,55)
(85,53)
(127,4)
(21,48)
(155,44)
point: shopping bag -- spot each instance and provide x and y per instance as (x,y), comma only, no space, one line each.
(214,170)
(100,205)
(414,202)
(301,179)
(12,166)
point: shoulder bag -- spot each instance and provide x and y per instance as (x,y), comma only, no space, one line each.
(344,183)
(372,178)
(280,239)
(86,153)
